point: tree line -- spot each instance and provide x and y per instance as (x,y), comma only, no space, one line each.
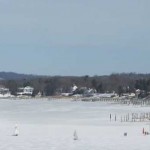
(119,83)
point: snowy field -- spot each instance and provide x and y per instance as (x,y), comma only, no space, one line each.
(49,125)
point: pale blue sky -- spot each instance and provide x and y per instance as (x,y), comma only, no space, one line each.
(75,37)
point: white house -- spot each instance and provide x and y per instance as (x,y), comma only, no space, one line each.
(4,92)
(74,88)
(25,91)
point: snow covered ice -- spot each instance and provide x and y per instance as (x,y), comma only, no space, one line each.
(50,125)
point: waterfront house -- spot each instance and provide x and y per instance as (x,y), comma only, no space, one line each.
(25,91)
(4,92)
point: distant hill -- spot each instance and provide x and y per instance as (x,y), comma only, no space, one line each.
(15,76)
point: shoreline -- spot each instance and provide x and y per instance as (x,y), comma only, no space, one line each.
(136,102)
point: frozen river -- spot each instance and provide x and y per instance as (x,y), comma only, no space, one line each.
(50,124)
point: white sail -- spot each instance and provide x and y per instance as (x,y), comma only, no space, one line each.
(16,133)
(75,135)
